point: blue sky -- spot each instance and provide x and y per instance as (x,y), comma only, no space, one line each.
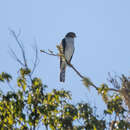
(102,44)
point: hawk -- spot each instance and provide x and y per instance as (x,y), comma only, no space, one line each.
(67,45)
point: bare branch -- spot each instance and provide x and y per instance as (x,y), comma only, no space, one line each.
(112,89)
(114,81)
(21,47)
(17,59)
(36,59)
(48,53)
(24,63)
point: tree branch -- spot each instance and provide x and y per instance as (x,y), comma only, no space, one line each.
(77,72)
(17,59)
(53,54)
(36,60)
(20,45)
(49,53)
(24,63)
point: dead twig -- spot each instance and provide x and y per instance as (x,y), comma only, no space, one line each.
(35,60)
(48,53)
(21,47)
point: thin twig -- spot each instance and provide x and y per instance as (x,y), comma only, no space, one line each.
(52,54)
(20,45)
(36,60)
(17,59)
(24,63)
(112,89)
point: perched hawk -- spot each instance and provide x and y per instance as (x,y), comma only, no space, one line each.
(67,45)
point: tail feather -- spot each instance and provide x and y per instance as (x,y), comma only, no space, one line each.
(62,73)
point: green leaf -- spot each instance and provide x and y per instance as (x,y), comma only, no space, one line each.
(5,76)
(29,98)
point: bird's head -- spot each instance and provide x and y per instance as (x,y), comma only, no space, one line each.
(70,34)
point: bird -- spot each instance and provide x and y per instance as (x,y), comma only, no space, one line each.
(67,45)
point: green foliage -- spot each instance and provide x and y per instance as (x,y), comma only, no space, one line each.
(31,105)
(5,77)
(24,71)
(11,109)
(90,120)
(103,90)
(115,107)
(21,82)
(115,104)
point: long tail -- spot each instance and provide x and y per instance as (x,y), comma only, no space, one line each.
(62,73)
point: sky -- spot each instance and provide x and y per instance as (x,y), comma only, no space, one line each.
(102,44)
